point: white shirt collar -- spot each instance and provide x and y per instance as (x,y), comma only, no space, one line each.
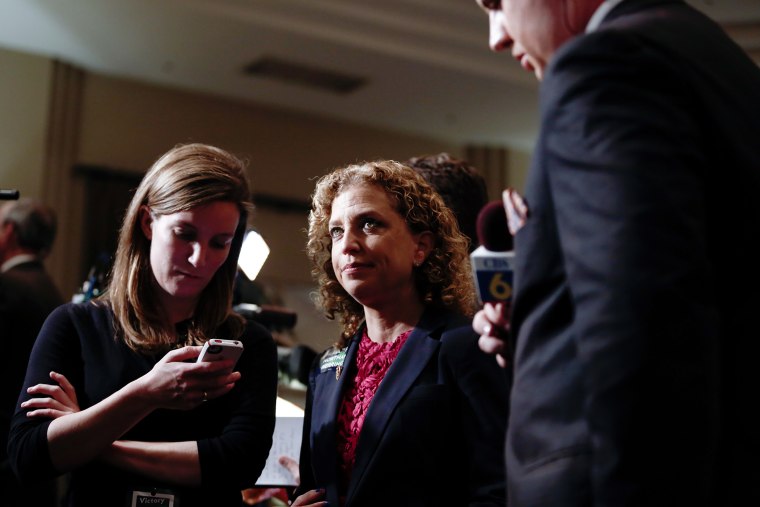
(15,261)
(600,13)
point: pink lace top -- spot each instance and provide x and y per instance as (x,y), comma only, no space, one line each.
(372,362)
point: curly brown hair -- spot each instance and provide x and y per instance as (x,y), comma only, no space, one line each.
(443,280)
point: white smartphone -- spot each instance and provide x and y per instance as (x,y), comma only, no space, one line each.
(218,350)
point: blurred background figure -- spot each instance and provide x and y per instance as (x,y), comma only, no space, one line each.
(462,187)
(27,296)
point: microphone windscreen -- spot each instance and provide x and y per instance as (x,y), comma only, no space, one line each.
(492,228)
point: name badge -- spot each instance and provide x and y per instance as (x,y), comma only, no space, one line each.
(333,359)
(150,498)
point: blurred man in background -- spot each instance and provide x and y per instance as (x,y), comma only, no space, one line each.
(27,296)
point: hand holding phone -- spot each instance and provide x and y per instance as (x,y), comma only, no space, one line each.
(219,350)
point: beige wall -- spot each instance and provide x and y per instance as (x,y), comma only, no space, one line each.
(519,163)
(128,124)
(24,96)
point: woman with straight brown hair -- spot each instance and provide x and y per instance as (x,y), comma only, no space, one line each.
(129,411)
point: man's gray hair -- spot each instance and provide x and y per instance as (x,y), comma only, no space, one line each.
(35,224)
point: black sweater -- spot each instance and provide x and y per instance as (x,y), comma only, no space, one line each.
(234,432)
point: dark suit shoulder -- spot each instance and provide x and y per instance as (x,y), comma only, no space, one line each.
(28,286)
(658,41)
(460,351)
(599,61)
(458,334)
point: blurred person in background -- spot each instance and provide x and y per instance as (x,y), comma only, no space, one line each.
(27,296)
(462,187)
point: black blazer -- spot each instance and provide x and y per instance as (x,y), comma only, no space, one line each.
(434,432)
(636,273)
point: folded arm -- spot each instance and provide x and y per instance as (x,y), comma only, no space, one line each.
(76,437)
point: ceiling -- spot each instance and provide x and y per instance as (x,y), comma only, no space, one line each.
(425,63)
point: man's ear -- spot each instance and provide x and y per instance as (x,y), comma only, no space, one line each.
(146,221)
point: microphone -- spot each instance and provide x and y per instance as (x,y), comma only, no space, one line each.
(492,262)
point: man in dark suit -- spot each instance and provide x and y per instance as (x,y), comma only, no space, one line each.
(27,296)
(633,338)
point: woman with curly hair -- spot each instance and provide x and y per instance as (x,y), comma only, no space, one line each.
(404,409)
